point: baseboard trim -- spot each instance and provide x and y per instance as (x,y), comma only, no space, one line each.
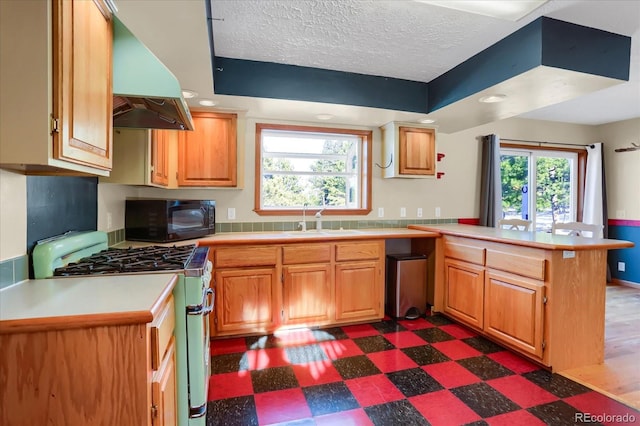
(625,283)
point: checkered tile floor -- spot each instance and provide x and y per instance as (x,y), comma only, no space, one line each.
(428,371)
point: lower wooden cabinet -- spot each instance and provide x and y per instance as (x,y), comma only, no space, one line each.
(112,372)
(163,390)
(514,311)
(260,288)
(498,290)
(464,292)
(359,291)
(307,294)
(246,300)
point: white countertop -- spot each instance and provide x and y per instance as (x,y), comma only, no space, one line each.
(54,303)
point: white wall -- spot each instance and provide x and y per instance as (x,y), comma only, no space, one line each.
(622,169)
(13,214)
(456,193)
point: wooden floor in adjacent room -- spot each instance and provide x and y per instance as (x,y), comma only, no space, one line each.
(619,376)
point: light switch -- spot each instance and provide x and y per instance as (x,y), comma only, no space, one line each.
(403,212)
(380,211)
(231,213)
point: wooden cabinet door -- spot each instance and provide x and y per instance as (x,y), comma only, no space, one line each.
(207,155)
(82,69)
(359,291)
(246,300)
(163,390)
(307,294)
(417,150)
(464,292)
(160,157)
(514,311)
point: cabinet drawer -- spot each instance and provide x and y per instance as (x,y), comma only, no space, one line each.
(464,252)
(232,257)
(519,264)
(358,251)
(306,253)
(162,332)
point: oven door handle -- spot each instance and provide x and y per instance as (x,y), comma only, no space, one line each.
(202,309)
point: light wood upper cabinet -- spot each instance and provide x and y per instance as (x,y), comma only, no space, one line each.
(207,156)
(56,87)
(160,157)
(409,151)
(417,151)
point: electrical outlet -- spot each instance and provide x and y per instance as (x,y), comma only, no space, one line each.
(622,266)
(419,212)
(403,212)
(231,213)
(380,211)
(437,211)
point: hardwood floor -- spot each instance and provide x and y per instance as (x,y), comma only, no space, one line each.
(619,375)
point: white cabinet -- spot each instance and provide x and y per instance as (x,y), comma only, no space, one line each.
(56,85)
(409,150)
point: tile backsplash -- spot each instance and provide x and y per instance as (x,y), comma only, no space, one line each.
(117,236)
(14,270)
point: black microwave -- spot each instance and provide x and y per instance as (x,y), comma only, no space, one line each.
(160,220)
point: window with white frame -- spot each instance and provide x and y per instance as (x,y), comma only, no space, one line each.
(539,185)
(300,167)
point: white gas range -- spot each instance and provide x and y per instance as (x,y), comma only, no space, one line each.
(87,253)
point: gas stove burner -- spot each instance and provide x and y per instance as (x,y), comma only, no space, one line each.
(130,260)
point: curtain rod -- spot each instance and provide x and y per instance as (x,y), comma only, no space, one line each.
(548,143)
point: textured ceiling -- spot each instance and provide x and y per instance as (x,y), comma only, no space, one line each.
(397,38)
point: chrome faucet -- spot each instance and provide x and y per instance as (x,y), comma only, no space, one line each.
(319,220)
(303,225)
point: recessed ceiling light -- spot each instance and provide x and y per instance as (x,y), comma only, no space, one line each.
(492,99)
(189,94)
(324,116)
(426,121)
(503,9)
(207,102)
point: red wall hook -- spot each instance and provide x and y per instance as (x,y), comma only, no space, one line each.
(440,174)
(440,156)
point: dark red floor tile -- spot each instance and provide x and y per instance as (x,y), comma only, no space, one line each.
(229,385)
(360,330)
(391,360)
(417,324)
(513,362)
(456,349)
(259,359)
(597,404)
(228,346)
(336,349)
(451,374)
(443,408)
(355,417)
(520,417)
(281,406)
(404,339)
(316,373)
(373,390)
(458,331)
(522,391)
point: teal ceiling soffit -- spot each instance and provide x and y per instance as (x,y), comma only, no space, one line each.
(544,42)
(270,80)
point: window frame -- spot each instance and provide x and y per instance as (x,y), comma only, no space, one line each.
(365,177)
(580,168)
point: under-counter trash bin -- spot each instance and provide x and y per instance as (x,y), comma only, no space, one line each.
(406,285)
